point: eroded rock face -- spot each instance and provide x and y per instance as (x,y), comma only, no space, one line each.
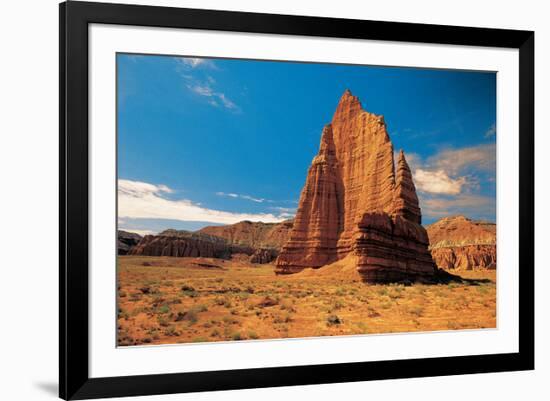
(252,234)
(184,243)
(318,222)
(458,243)
(466,257)
(354,201)
(392,248)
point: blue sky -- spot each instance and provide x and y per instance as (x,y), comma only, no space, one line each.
(215,141)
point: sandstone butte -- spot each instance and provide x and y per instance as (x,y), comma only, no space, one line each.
(459,243)
(357,201)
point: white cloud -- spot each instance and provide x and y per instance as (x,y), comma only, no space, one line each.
(216,98)
(449,182)
(247,197)
(204,87)
(201,90)
(138,188)
(194,62)
(438,182)
(452,171)
(143,200)
(225,101)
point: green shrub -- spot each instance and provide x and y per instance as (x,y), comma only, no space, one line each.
(171,331)
(163,309)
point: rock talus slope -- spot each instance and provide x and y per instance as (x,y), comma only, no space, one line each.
(354,201)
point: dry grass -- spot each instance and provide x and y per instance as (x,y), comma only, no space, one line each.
(180,300)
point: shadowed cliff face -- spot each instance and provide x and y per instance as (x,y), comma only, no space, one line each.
(459,243)
(353,201)
(126,241)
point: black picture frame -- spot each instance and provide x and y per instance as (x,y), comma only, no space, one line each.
(74,379)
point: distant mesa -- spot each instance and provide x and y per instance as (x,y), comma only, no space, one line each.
(356,201)
(458,243)
(260,242)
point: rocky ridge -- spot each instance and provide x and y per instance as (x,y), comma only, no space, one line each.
(181,243)
(256,235)
(259,241)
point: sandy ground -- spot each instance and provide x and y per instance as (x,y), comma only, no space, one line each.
(177,300)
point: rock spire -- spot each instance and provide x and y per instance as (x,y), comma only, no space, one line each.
(355,201)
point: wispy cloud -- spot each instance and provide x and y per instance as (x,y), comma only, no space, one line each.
(257,199)
(492,131)
(476,206)
(286,212)
(144,200)
(202,84)
(214,98)
(239,196)
(195,62)
(474,158)
(284,209)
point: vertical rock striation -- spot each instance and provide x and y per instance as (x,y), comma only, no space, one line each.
(354,201)
(313,238)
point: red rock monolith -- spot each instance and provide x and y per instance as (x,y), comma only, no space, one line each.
(353,201)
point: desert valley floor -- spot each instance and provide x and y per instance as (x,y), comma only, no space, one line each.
(167,300)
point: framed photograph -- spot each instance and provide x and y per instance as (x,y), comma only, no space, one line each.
(253,200)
